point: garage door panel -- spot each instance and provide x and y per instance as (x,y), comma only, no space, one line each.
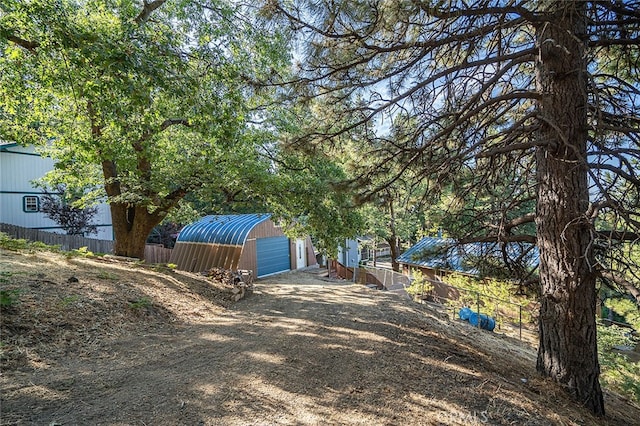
(273,255)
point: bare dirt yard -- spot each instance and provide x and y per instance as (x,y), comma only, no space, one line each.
(107,342)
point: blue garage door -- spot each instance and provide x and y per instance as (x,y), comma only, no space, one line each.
(273,255)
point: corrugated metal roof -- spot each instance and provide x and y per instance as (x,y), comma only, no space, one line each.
(444,253)
(431,252)
(222,229)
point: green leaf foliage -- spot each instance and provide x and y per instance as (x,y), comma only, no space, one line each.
(138,102)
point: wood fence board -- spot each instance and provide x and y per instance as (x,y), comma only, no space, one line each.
(152,253)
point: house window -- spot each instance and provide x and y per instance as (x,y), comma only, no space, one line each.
(31,204)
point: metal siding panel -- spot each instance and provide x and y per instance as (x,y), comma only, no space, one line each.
(189,254)
(266,229)
(208,256)
(273,255)
(216,256)
(176,254)
(191,257)
(225,259)
(237,252)
(247,259)
(199,256)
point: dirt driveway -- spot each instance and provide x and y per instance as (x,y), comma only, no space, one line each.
(299,351)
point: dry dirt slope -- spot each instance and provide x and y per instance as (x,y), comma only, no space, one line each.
(127,345)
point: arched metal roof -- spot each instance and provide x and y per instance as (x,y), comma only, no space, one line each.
(222,229)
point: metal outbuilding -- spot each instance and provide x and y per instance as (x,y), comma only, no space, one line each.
(437,255)
(243,241)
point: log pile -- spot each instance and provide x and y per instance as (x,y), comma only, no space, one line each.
(241,281)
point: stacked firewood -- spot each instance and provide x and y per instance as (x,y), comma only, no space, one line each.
(241,282)
(221,275)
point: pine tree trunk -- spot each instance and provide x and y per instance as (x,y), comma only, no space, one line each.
(568,347)
(131,226)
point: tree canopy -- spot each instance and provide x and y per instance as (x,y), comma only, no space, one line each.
(141,102)
(528,110)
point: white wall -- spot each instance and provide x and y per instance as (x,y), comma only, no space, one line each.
(348,254)
(18,167)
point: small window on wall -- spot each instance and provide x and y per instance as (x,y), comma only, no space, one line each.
(31,204)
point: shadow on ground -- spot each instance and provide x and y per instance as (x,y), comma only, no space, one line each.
(297,353)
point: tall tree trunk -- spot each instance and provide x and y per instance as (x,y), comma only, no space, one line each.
(132,223)
(393,239)
(395,252)
(568,347)
(131,226)
(375,252)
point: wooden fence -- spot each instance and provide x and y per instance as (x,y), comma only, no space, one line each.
(382,278)
(152,253)
(66,242)
(156,253)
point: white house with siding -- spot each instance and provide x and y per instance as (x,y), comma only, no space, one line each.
(20,199)
(349,253)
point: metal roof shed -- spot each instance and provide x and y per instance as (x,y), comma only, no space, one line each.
(444,254)
(243,241)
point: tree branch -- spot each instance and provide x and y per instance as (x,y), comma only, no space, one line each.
(618,235)
(527,218)
(164,126)
(614,42)
(31,46)
(603,166)
(621,281)
(147,10)
(522,238)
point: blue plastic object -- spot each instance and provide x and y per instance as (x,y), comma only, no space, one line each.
(465,313)
(486,322)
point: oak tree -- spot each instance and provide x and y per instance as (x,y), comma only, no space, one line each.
(146,101)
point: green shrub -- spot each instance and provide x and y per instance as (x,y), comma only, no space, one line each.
(420,285)
(617,371)
(139,304)
(16,244)
(81,252)
(9,298)
(13,244)
(626,309)
(105,275)
(496,297)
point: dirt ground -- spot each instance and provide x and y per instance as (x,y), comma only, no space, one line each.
(105,342)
